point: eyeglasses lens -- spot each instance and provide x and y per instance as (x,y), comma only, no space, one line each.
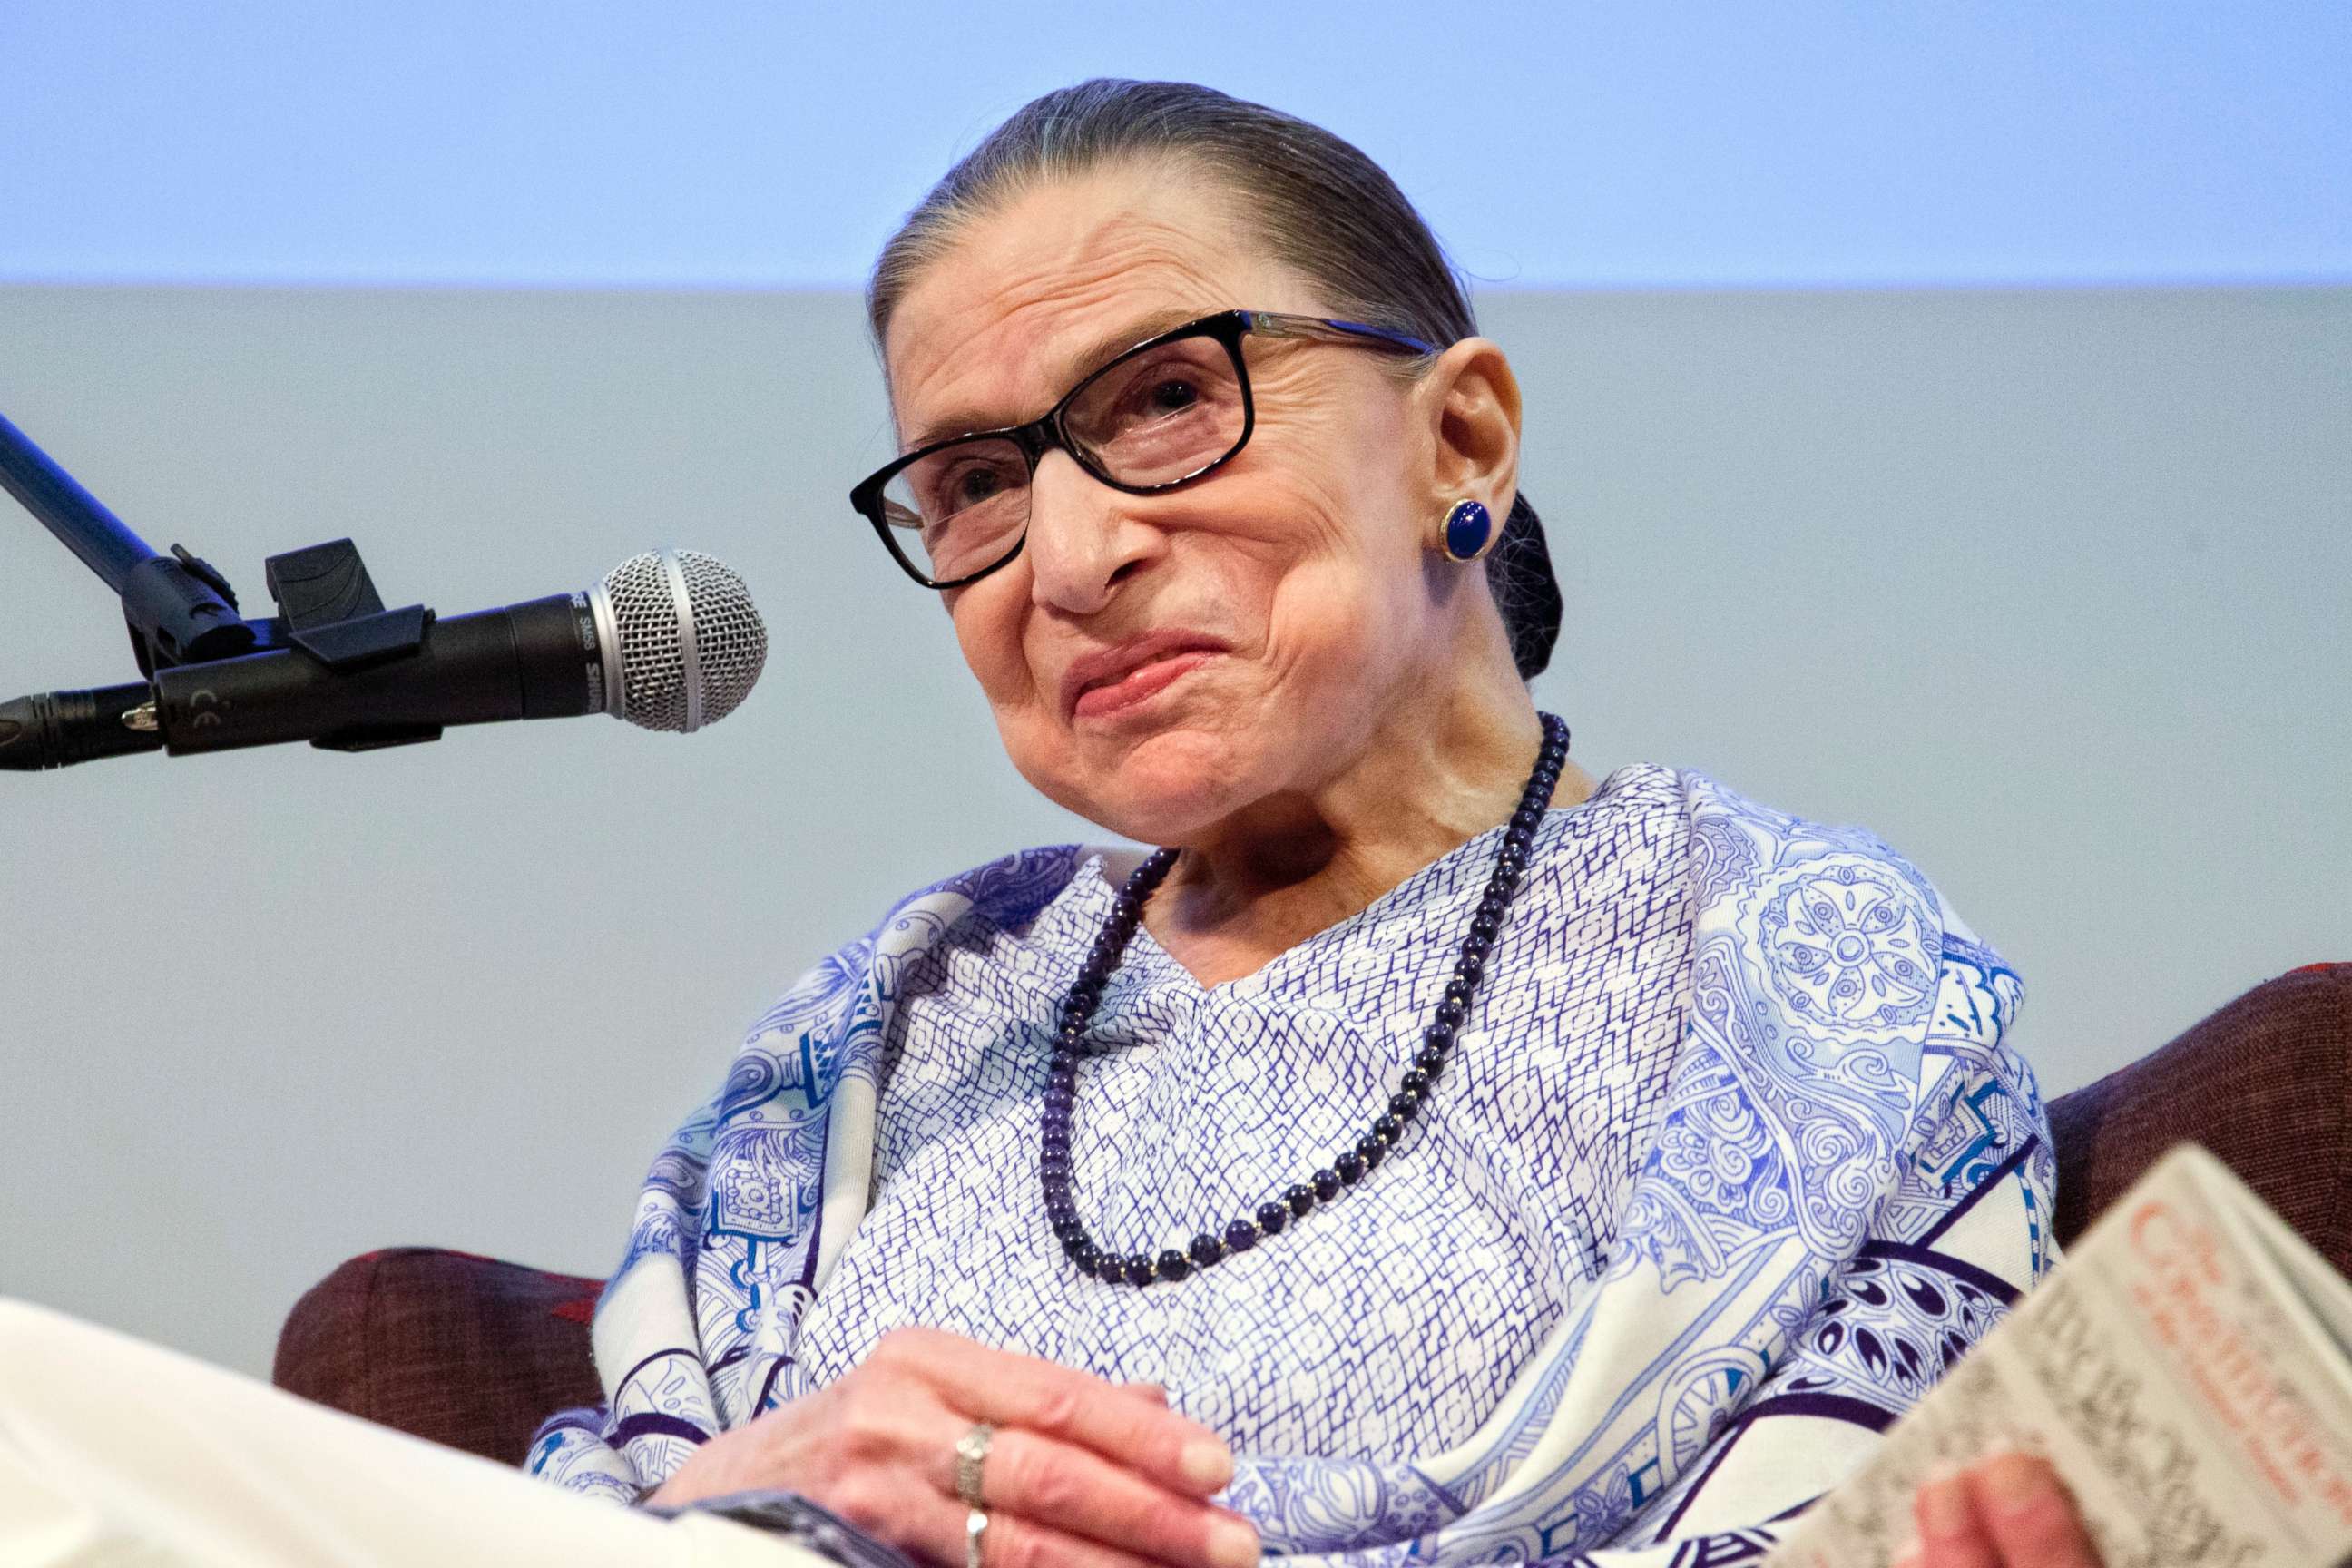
(1154,417)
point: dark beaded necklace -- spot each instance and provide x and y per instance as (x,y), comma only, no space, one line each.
(1300,1199)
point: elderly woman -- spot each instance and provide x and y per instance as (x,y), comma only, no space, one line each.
(1429,1153)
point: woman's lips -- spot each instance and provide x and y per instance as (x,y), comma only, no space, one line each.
(1134,672)
(1140,683)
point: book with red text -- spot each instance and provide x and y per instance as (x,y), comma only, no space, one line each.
(2187,1368)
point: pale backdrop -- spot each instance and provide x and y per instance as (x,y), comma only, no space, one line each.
(2048,587)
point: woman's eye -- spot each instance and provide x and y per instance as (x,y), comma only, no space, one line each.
(962,488)
(1173,396)
(1168,397)
(1158,398)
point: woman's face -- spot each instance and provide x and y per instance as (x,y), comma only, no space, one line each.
(1243,638)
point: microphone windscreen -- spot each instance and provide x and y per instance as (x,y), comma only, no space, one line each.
(682,637)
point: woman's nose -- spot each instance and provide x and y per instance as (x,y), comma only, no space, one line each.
(1081,540)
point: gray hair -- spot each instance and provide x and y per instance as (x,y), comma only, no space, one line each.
(1322,207)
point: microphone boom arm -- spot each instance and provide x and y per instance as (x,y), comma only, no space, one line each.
(180,610)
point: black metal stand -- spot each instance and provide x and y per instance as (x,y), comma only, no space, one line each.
(181,611)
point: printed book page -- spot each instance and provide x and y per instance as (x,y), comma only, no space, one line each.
(2185,1369)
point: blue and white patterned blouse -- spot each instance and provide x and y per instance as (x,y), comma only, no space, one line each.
(1730,1162)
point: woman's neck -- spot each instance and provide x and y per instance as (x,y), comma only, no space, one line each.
(1274,874)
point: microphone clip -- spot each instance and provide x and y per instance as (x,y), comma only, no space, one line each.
(329,607)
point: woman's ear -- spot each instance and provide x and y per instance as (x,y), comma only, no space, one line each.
(1473,405)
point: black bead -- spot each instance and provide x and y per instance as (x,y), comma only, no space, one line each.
(1206,1249)
(1174,1265)
(1452,1011)
(1139,1268)
(1327,1185)
(1485,927)
(1082,1253)
(1430,1061)
(1241,1235)
(1272,1217)
(1414,1080)
(1406,1105)
(1370,1149)
(1470,967)
(1300,1197)
(1350,1167)
(1388,1127)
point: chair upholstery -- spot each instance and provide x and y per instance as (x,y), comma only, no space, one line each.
(473,1352)
(2265,1084)
(470,1352)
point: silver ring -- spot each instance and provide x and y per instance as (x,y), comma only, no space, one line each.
(972,1453)
(975,1537)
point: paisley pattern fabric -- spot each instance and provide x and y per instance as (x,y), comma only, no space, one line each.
(1732,1163)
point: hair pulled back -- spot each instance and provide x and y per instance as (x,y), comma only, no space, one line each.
(1323,208)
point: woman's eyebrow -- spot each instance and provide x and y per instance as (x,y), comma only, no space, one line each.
(1077,368)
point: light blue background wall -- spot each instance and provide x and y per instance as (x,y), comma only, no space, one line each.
(1553,143)
(2046,584)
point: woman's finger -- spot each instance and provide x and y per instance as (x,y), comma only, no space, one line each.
(1058,1485)
(1012,1542)
(1944,1509)
(1010,1390)
(2031,1519)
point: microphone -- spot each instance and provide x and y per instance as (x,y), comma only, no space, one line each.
(668,641)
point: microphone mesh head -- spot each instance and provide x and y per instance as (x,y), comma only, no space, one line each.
(691,644)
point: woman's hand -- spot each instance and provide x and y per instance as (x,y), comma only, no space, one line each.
(1081,1473)
(2008,1512)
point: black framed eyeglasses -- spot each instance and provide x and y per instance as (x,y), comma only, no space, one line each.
(1168,411)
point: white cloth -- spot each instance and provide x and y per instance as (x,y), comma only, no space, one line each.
(1731,1162)
(115,1453)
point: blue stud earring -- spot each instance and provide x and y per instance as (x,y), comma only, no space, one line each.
(1469,530)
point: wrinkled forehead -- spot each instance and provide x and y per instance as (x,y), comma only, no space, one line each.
(1034,291)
